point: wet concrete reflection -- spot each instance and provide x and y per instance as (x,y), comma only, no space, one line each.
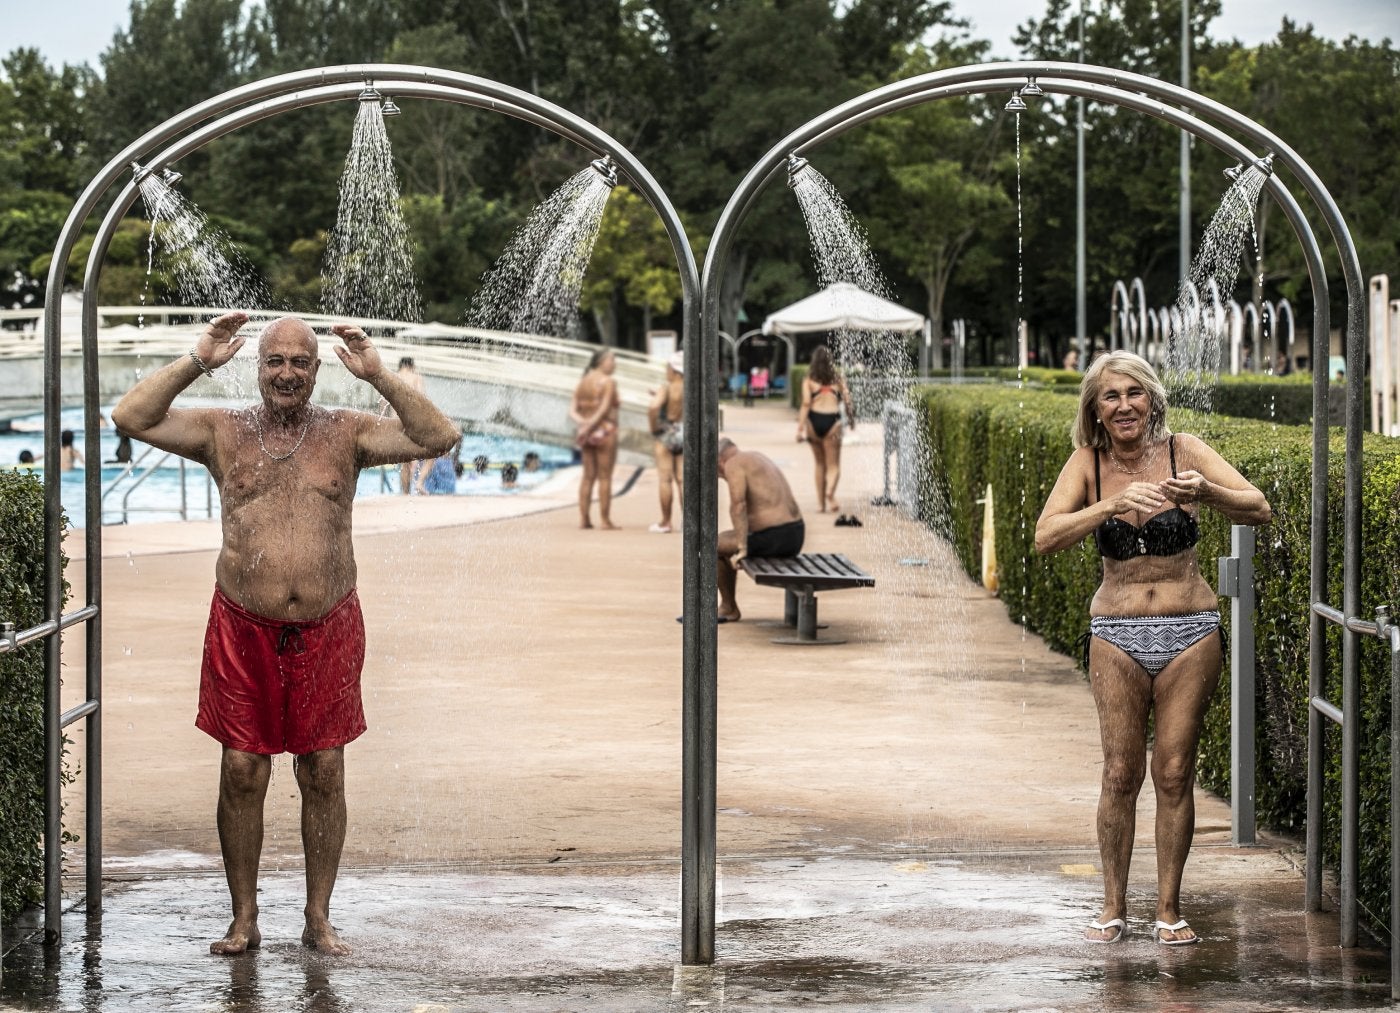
(978,932)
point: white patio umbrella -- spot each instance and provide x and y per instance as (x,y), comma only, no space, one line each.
(842,307)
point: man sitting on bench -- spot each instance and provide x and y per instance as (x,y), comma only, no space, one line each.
(767,521)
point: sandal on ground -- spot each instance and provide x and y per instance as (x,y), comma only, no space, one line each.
(1112,923)
(1159,927)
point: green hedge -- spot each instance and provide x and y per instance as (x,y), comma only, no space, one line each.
(21,694)
(1017,441)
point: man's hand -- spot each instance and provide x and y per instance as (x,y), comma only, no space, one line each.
(737,558)
(218,344)
(360,357)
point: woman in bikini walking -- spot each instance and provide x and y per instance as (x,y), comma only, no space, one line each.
(824,392)
(594,412)
(1154,645)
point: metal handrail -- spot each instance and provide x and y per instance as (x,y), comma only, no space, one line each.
(147,472)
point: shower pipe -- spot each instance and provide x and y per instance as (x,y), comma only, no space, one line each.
(1103,84)
(296,89)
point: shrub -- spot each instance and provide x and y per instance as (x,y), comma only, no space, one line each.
(21,693)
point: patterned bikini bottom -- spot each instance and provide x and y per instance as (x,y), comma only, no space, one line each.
(1153,641)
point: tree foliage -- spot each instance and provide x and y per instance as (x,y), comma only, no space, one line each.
(699,90)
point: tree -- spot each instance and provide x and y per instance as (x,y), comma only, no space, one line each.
(633,264)
(944,181)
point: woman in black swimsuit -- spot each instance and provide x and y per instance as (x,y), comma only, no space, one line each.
(1153,644)
(824,392)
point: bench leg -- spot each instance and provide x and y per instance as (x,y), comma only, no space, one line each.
(789,607)
(807,615)
(804,603)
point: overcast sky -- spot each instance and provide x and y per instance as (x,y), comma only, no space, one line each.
(77,31)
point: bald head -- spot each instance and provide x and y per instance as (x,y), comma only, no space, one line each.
(288,329)
(287,364)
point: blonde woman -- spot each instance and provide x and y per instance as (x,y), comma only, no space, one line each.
(824,393)
(1154,646)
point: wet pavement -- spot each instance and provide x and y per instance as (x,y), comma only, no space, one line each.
(880,932)
(905,820)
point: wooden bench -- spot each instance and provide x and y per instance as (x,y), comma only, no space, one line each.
(801,577)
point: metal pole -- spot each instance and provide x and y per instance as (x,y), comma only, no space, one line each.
(1183,255)
(1242,826)
(1394,633)
(1081,311)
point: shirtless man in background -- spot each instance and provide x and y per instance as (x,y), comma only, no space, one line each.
(285,641)
(766,518)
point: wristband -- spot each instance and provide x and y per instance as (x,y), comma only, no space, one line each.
(201,364)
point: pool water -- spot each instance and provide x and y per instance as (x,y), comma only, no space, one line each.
(150,489)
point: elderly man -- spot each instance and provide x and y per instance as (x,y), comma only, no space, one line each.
(285,641)
(767,521)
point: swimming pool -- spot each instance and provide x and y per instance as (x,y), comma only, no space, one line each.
(150,489)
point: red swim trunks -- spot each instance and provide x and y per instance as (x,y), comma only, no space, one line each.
(272,686)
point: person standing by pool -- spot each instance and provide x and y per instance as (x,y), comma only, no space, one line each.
(824,393)
(69,456)
(1155,647)
(594,411)
(409,374)
(664,416)
(285,641)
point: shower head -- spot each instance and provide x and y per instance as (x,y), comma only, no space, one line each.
(1016,103)
(369,94)
(170,177)
(140,172)
(1264,166)
(1031,88)
(390,107)
(796,163)
(605,168)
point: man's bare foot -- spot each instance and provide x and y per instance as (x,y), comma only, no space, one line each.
(585,525)
(322,937)
(240,938)
(728,617)
(609,526)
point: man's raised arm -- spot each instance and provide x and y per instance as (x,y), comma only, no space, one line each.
(421,431)
(144,413)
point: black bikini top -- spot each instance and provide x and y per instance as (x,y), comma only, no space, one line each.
(1163,534)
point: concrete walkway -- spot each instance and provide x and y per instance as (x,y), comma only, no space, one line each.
(906,819)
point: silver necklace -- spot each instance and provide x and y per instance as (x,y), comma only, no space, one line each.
(257,424)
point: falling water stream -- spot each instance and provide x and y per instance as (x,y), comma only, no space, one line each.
(369,258)
(919,561)
(534,286)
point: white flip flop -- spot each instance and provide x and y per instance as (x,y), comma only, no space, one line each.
(1159,927)
(1112,923)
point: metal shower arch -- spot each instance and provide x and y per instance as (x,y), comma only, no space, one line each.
(287,91)
(1112,86)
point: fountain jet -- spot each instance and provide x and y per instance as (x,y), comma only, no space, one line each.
(604,167)
(369,94)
